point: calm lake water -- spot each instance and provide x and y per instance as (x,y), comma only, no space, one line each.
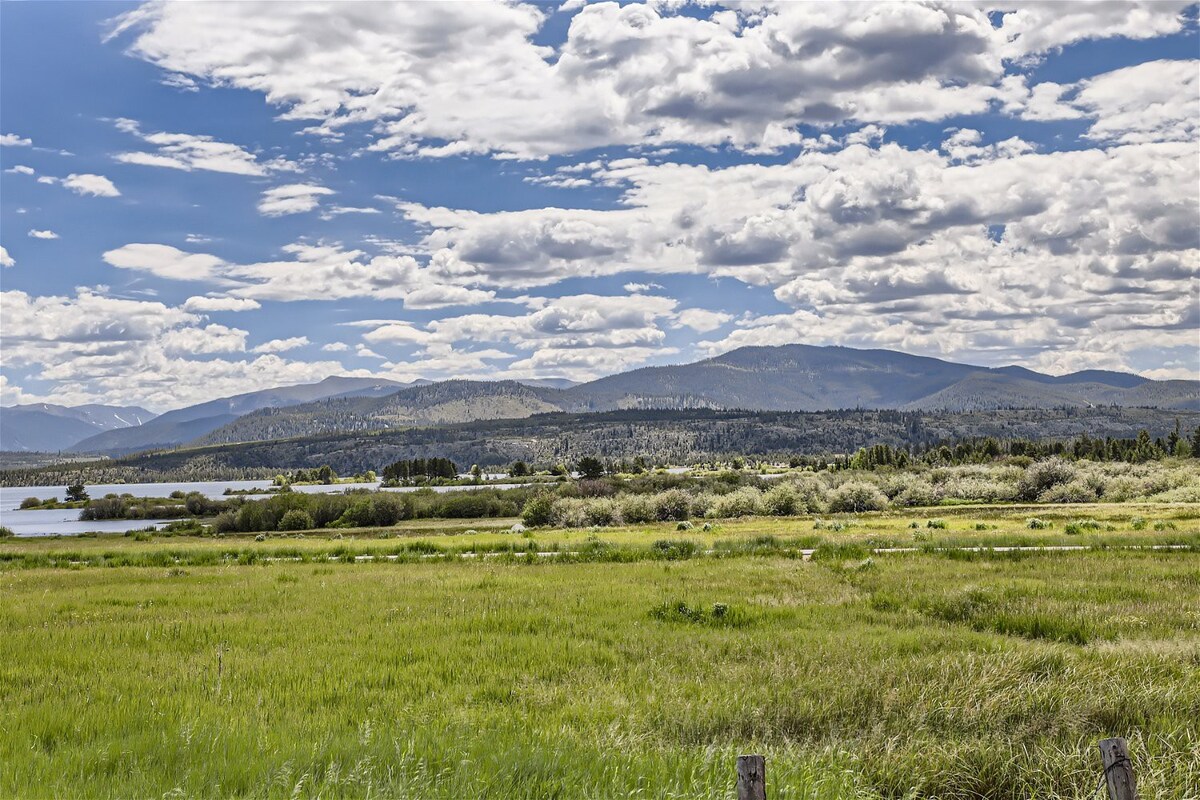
(66,522)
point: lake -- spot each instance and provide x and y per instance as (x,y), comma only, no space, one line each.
(66,522)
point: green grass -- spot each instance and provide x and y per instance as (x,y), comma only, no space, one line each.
(952,675)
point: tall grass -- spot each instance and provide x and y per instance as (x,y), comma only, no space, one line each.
(919,676)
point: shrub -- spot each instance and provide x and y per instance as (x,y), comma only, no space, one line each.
(537,510)
(918,493)
(701,503)
(675,549)
(471,505)
(30,502)
(638,508)
(1035,524)
(939,524)
(226,522)
(680,612)
(594,488)
(672,505)
(783,500)
(5,532)
(603,511)
(1077,491)
(1122,489)
(296,520)
(812,492)
(1044,475)
(857,496)
(1077,526)
(569,512)
(744,502)
(978,490)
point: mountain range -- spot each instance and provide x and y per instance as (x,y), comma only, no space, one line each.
(49,428)
(782,378)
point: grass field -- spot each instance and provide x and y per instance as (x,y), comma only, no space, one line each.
(948,675)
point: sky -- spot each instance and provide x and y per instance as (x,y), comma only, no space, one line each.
(203,199)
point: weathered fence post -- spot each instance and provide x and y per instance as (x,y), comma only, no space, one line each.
(751,778)
(1118,770)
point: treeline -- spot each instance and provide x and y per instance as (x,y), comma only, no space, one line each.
(1137,450)
(407,471)
(657,437)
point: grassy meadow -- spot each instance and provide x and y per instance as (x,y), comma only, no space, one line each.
(158,666)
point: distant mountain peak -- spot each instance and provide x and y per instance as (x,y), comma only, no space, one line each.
(791,377)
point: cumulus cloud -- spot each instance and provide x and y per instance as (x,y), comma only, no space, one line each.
(282,345)
(20,169)
(165,261)
(200,304)
(293,198)
(5,259)
(702,320)
(95,348)
(13,140)
(37,234)
(985,248)
(85,184)
(626,74)
(189,152)
(209,339)
(309,272)
(1151,102)
(578,336)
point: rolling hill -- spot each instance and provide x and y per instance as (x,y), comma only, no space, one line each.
(186,424)
(786,378)
(782,378)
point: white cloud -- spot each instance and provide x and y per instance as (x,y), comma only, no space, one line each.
(94,348)
(189,152)
(311,272)
(1151,102)
(5,259)
(577,336)
(626,75)
(702,320)
(12,140)
(637,288)
(335,347)
(202,304)
(209,339)
(87,184)
(294,198)
(282,345)
(1034,28)
(1155,101)
(336,211)
(36,234)
(987,251)
(165,261)
(20,169)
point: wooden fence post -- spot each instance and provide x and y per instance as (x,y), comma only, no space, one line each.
(1118,770)
(751,778)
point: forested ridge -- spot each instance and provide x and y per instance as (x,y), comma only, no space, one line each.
(678,436)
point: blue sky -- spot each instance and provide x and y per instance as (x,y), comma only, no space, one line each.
(200,199)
